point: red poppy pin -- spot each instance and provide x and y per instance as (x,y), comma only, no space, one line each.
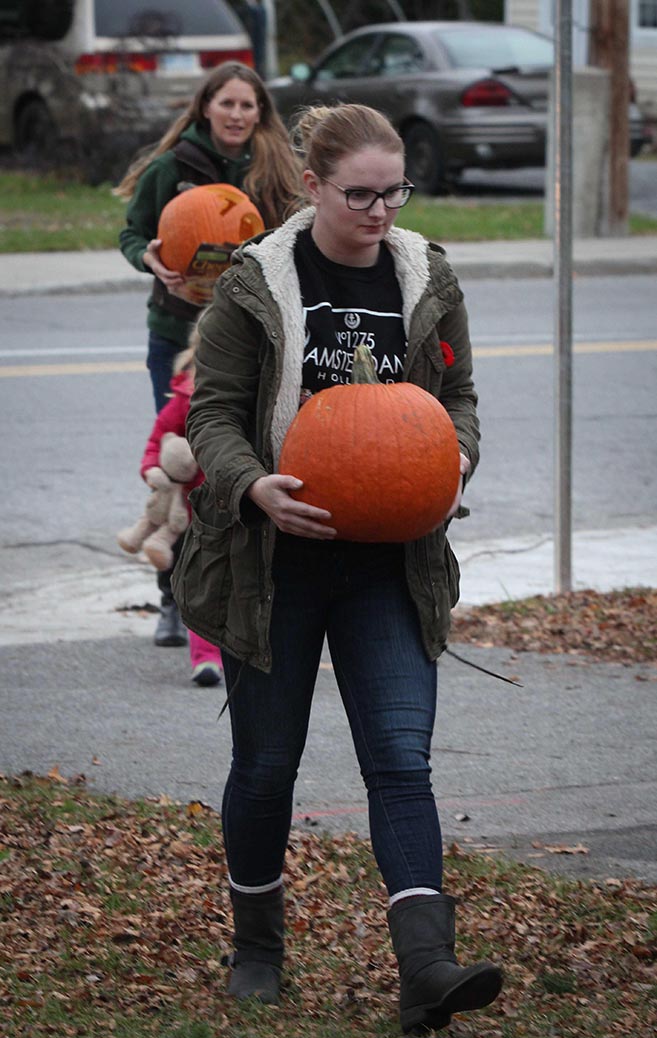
(448,353)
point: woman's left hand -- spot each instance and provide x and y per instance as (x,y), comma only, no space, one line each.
(464,468)
(273,495)
(151,259)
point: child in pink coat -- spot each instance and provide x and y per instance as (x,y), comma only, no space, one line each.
(205,657)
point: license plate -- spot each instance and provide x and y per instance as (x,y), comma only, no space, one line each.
(178,63)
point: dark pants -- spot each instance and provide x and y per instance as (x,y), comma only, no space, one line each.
(357,596)
(164,576)
(159,360)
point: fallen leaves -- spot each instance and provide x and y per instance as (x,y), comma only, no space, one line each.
(116,920)
(617,626)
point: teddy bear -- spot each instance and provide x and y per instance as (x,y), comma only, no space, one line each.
(165,515)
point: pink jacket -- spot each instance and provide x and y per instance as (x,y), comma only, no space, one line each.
(171,419)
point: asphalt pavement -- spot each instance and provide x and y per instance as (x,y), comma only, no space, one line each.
(561,772)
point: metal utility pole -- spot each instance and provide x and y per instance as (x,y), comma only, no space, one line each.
(271,37)
(610,46)
(563,281)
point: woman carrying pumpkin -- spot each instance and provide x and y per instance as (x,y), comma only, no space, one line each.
(230,133)
(264,575)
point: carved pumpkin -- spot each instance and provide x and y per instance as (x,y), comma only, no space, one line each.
(382,459)
(199,229)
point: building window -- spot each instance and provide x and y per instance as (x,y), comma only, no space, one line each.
(648,14)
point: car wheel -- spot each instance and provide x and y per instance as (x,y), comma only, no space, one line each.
(424,162)
(36,134)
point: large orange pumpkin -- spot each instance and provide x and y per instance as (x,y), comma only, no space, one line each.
(382,459)
(199,229)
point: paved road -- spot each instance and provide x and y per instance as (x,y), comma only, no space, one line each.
(75,357)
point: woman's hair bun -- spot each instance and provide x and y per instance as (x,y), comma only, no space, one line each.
(305,124)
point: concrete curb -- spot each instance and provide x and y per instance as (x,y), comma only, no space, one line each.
(524,269)
(126,284)
(54,273)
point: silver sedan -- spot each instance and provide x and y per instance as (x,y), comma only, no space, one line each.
(462,94)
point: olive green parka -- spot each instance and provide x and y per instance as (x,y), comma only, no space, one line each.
(247,386)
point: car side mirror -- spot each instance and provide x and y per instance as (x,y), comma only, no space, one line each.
(301,72)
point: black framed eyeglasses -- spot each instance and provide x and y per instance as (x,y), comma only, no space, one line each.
(359,198)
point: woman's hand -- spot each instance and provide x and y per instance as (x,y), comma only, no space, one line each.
(464,468)
(272,494)
(151,259)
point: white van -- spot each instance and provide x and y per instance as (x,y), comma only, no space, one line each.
(93,80)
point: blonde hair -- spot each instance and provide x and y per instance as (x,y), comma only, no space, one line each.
(323,135)
(184,361)
(273,179)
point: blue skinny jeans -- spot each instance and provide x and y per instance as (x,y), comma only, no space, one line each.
(356,595)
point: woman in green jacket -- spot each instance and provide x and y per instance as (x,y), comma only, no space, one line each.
(232,134)
(265,576)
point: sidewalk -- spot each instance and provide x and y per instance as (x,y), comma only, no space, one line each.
(83,598)
(106,270)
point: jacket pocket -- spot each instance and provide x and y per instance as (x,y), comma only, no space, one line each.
(201,578)
(453,575)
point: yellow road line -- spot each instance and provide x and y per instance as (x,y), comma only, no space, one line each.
(546,349)
(126,366)
(91,368)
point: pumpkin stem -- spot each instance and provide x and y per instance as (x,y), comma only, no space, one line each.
(363,370)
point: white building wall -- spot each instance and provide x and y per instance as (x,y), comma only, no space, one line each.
(539,15)
(523,12)
(643,70)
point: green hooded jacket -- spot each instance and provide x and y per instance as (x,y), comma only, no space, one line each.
(247,384)
(161,181)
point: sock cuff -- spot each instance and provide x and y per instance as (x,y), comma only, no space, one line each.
(265,888)
(411,892)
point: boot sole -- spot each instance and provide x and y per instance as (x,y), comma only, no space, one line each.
(265,998)
(476,992)
(255,982)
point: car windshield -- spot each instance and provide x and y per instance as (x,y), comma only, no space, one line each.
(157,18)
(482,48)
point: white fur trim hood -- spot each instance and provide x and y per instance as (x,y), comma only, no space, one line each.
(275,256)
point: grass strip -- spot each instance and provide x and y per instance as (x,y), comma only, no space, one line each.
(116,921)
(56,213)
(53,213)
(454,219)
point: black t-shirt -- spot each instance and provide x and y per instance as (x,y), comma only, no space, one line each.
(344,307)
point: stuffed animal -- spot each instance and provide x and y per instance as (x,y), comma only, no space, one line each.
(165,516)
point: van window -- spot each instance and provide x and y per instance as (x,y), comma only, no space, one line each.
(165,18)
(43,19)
